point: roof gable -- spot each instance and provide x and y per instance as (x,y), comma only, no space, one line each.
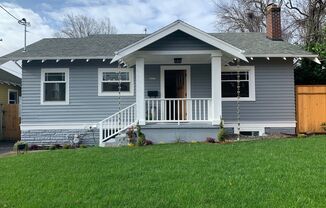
(186,28)
(178,40)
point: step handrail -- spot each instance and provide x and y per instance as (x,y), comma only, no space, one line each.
(117,123)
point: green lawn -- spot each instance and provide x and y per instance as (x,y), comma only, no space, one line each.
(269,173)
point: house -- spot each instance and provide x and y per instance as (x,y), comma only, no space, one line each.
(9,88)
(177,83)
(10,91)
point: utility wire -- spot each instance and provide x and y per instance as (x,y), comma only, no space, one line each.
(8,12)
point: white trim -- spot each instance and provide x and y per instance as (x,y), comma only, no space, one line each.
(46,126)
(175,67)
(140,90)
(100,78)
(188,76)
(55,70)
(37,58)
(244,125)
(252,81)
(216,88)
(282,55)
(13,90)
(182,26)
(188,52)
(260,124)
(261,130)
(260,127)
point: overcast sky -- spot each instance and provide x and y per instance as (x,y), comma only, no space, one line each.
(128,16)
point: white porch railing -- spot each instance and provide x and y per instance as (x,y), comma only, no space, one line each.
(117,123)
(178,109)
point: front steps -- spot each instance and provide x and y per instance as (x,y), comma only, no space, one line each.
(117,141)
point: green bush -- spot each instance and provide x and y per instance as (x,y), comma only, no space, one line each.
(82,146)
(52,147)
(141,139)
(66,146)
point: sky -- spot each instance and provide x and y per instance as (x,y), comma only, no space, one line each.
(128,16)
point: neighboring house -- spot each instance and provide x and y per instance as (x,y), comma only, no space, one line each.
(10,91)
(177,83)
(9,88)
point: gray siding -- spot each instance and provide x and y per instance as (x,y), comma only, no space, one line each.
(85,106)
(275,99)
(178,41)
(274,93)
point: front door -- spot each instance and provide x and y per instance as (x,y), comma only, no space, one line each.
(175,86)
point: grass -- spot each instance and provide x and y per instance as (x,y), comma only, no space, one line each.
(268,173)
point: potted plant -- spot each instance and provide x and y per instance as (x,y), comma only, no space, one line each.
(21,146)
(323,125)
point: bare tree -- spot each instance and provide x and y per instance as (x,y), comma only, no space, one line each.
(78,26)
(309,16)
(302,20)
(242,15)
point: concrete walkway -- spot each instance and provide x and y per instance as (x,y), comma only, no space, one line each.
(6,147)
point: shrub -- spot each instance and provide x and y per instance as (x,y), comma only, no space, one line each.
(210,140)
(140,136)
(131,135)
(148,142)
(82,146)
(52,147)
(66,146)
(58,146)
(34,147)
(221,133)
(141,140)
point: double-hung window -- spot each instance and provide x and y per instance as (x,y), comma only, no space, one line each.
(12,96)
(230,83)
(55,86)
(110,80)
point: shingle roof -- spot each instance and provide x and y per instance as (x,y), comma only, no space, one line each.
(257,43)
(104,46)
(8,78)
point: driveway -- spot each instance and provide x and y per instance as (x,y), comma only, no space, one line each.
(6,147)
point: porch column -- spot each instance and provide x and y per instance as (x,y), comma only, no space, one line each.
(140,90)
(216,88)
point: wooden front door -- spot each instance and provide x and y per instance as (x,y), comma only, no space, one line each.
(176,87)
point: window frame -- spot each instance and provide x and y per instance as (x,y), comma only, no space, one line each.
(55,70)
(17,98)
(100,81)
(252,82)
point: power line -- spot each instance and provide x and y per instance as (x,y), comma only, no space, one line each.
(8,12)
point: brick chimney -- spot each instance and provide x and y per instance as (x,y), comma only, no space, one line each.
(273,22)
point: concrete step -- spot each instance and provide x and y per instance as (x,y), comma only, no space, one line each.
(118,141)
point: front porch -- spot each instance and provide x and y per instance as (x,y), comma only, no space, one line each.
(173,100)
(167,96)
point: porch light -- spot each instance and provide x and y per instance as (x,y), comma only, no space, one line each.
(177,60)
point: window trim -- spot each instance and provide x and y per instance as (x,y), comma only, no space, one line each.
(252,82)
(55,70)
(13,90)
(100,78)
